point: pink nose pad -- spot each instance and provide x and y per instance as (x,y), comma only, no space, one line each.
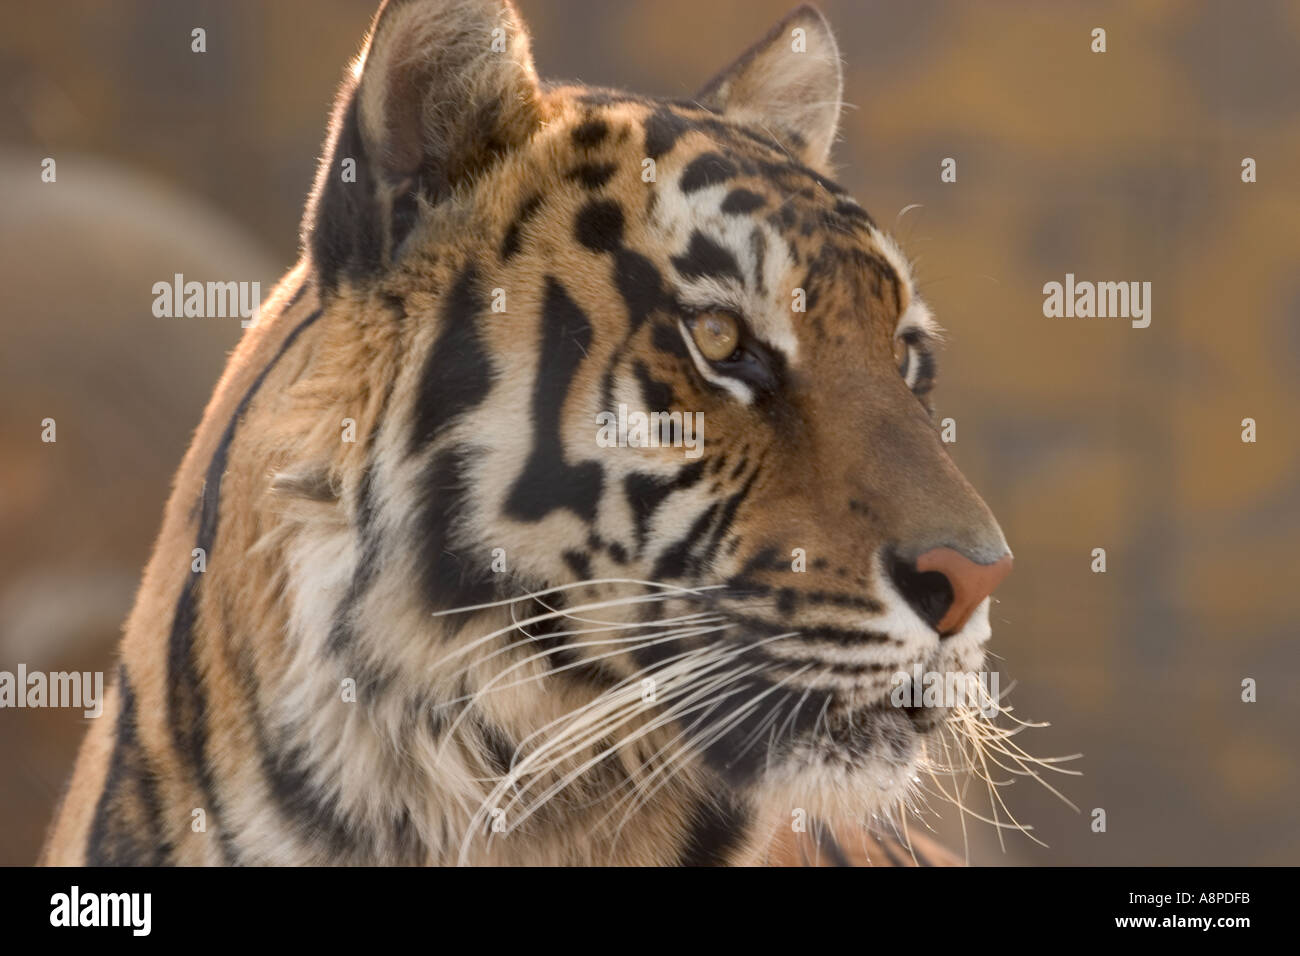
(971,583)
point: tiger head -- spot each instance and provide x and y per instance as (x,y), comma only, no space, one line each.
(657,428)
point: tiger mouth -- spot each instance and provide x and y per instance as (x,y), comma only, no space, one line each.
(817,698)
(881,742)
(877,739)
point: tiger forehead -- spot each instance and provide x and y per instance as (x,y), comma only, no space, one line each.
(707,150)
(733,206)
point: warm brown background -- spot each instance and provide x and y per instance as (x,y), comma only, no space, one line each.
(1081,433)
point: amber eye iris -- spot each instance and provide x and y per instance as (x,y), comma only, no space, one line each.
(716,335)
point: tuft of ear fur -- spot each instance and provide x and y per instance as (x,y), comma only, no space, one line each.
(790,83)
(442,89)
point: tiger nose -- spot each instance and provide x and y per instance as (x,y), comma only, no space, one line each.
(945,587)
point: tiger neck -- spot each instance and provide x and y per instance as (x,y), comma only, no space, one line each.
(505,755)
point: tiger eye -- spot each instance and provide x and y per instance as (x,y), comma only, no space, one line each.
(716,336)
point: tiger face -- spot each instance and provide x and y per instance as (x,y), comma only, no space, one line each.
(663,398)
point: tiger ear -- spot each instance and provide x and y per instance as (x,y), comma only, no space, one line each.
(789,83)
(442,89)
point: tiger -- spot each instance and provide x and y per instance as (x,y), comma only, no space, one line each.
(412,603)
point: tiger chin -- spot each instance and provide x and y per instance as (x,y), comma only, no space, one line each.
(406,608)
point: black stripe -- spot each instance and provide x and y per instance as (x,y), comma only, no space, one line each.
(788,173)
(677,559)
(855,213)
(768,558)
(563,660)
(498,746)
(579,563)
(187,698)
(548,482)
(311,812)
(717,829)
(705,170)
(833,635)
(663,128)
(593,175)
(640,284)
(453,573)
(668,338)
(368,542)
(657,396)
(599,225)
(590,132)
(727,517)
(510,245)
(742,201)
(367,569)
(741,754)
(127,829)
(646,492)
(705,258)
(457,374)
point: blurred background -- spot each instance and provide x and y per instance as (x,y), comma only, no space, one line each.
(1080,433)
